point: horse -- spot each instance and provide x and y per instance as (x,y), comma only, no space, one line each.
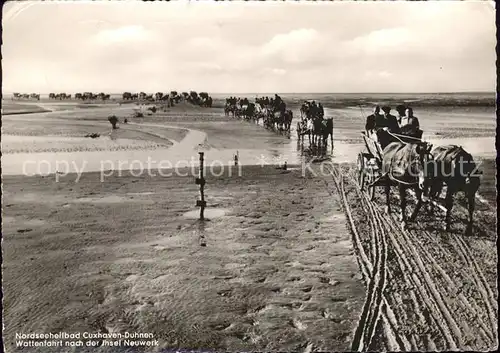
(261,112)
(405,164)
(288,117)
(317,131)
(454,167)
(322,128)
(228,108)
(300,128)
(278,120)
(310,130)
(247,111)
(279,106)
(327,131)
(304,127)
(270,120)
(304,110)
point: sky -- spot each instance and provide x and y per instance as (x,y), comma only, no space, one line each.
(222,47)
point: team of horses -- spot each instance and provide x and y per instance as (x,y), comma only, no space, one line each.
(25,96)
(416,165)
(203,99)
(315,126)
(274,115)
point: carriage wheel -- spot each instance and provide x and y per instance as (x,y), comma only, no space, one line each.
(361,171)
(371,192)
(371,189)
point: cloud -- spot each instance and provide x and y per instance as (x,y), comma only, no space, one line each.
(283,42)
(298,46)
(204,43)
(205,67)
(378,74)
(278,71)
(384,40)
(342,46)
(126,34)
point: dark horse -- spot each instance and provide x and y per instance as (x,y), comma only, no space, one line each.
(302,130)
(248,111)
(322,128)
(404,165)
(288,117)
(282,120)
(456,168)
(229,108)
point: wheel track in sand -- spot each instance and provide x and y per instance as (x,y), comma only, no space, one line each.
(381,270)
(405,267)
(462,249)
(426,268)
(404,342)
(419,270)
(465,304)
(428,289)
(376,306)
(409,277)
(414,280)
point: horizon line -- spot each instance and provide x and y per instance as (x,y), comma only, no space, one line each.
(250,92)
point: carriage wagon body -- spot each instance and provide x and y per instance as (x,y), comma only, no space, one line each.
(369,165)
(369,162)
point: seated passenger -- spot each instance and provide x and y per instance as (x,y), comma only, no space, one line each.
(371,120)
(384,126)
(401,109)
(387,121)
(410,125)
(321,111)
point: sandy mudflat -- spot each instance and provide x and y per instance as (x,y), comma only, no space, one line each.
(9,107)
(35,144)
(278,271)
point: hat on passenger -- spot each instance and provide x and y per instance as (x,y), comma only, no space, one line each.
(401,109)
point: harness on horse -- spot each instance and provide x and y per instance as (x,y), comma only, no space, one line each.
(391,171)
(393,178)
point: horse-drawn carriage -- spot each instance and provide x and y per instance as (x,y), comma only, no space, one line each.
(410,163)
(369,162)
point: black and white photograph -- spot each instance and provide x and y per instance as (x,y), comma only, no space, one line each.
(249,176)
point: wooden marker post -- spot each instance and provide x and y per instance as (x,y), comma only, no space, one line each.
(201,181)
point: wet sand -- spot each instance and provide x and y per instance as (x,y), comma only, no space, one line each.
(278,263)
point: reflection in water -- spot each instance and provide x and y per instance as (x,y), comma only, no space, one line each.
(201,233)
(209,213)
